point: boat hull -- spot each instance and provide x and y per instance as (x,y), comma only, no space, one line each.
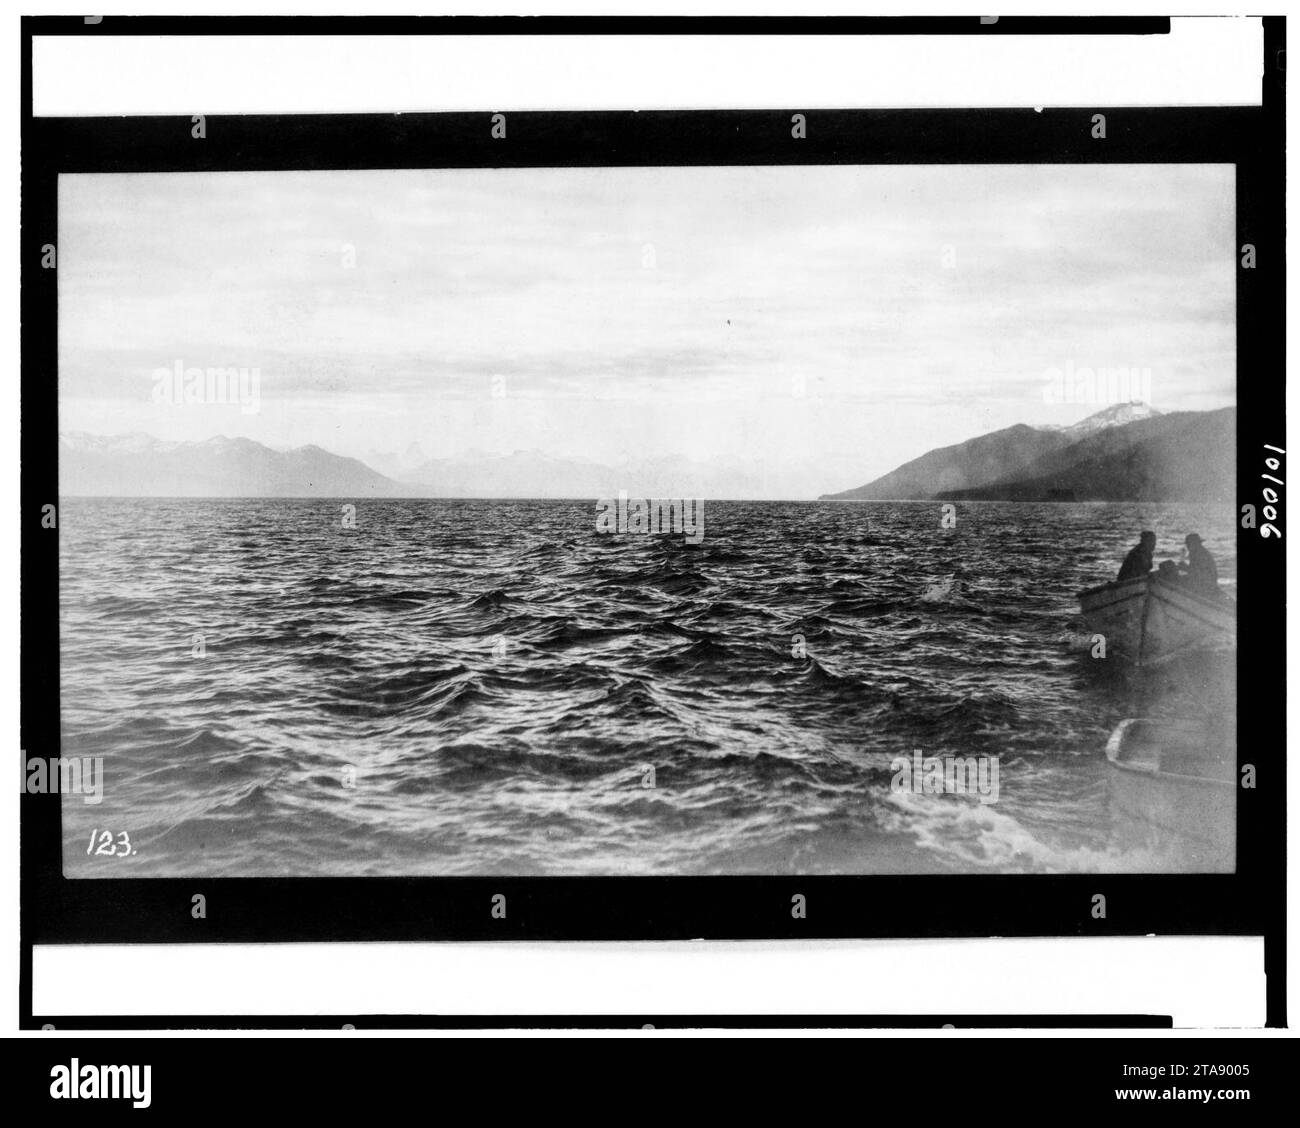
(1148,621)
(1171,793)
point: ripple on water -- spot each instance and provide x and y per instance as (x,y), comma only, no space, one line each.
(494,687)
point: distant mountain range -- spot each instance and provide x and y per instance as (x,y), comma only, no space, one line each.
(1117,415)
(534,473)
(1128,452)
(138,465)
(524,473)
(394,464)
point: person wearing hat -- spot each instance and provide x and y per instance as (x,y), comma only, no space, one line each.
(1138,561)
(1202,575)
(1168,572)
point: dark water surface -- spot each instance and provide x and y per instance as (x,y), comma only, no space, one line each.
(461,687)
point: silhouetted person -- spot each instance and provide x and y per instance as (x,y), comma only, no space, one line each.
(1138,561)
(1202,575)
(1168,572)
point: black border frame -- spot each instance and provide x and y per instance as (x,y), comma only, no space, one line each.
(1250,902)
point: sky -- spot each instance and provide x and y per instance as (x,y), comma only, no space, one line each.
(825,322)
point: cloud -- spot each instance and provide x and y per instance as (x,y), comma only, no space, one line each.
(893,292)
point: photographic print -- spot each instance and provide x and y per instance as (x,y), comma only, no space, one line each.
(648,521)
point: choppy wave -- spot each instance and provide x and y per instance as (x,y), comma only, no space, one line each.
(493,687)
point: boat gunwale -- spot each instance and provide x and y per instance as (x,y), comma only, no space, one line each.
(1152,585)
(1114,584)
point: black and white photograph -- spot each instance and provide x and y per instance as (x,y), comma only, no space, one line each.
(573,524)
(651,521)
